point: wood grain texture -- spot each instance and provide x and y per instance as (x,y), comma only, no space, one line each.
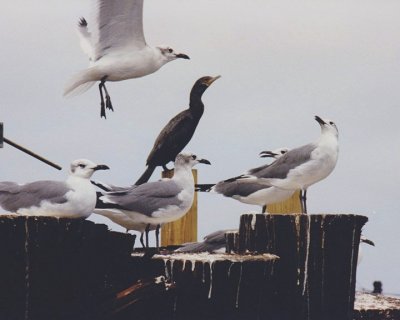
(291,205)
(182,230)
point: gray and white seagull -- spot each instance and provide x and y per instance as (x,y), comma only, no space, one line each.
(251,192)
(116,48)
(301,167)
(153,203)
(73,198)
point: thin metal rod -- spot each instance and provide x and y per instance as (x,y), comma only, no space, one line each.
(11,143)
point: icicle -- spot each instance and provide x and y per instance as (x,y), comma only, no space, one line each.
(352,258)
(172,269)
(183,265)
(307,254)
(193,264)
(27,269)
(238,286)
(204,273)
(253,222)
(211,263)
(229,270)
(166,269)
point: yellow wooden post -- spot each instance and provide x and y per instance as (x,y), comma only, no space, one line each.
(291,205)
(182,230)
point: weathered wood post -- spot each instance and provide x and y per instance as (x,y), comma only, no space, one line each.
(291,205)
(60,269)
(184,229)
(214,286)
(318,261)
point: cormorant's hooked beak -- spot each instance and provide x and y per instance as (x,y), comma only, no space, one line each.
(367,241)
(205,161)
(320,121)
(211,80)
(101,167)
(182,55)
(267,154)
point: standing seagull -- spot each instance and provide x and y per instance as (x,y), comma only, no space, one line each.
(74,198)
(251,192)
(117,48)
(153,203)
(178,131)
(301,167)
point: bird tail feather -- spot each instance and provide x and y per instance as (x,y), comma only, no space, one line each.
(204,187)
(198,247)
(81,82)
(146,175)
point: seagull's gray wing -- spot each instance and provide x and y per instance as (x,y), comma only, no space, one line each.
(146,198)
(118,24)
(212,242)
(280,168)
(238,187)
(14,196)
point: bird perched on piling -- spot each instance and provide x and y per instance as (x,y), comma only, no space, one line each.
(73,198)
(178,131)
(251,192)
(301,167)
(117,49)
(153,203)
(212,242)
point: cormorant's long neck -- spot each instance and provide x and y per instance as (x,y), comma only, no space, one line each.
(196,106)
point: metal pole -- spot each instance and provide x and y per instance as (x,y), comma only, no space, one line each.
(11,143)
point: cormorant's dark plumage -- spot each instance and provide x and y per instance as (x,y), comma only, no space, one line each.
(178,131)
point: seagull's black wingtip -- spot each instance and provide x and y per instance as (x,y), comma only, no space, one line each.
(82,22)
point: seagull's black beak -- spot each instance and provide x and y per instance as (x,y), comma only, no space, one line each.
(182,55)
(205,161)
(267,154)
(320,121)
(367,241)
(101,167)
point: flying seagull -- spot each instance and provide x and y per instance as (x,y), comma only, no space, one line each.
(251,192)
(74,198)
(178,131)
(116,48)
(153,203)
(301,167)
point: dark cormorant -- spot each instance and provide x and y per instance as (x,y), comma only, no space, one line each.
(178,132)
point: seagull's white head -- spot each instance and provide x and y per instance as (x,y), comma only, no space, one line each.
(187,159)
(84,168)
(327,126)
(168,54)
(276,154)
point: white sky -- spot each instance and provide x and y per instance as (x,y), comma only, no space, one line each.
(282,62)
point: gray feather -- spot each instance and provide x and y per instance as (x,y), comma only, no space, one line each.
(14,196)
(146,198)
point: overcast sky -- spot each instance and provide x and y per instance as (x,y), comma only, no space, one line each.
(282,62)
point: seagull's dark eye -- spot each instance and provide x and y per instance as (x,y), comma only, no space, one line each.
(193,157)
(82,166)
(331,123)
(170,50)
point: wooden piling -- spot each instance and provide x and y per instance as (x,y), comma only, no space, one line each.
(182,230)
(215,286)
(318,261)
(291,205)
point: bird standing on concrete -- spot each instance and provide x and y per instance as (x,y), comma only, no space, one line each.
(117,48)
(251,192)
(74,198)
(301,167)
(153,203)
(178,131)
